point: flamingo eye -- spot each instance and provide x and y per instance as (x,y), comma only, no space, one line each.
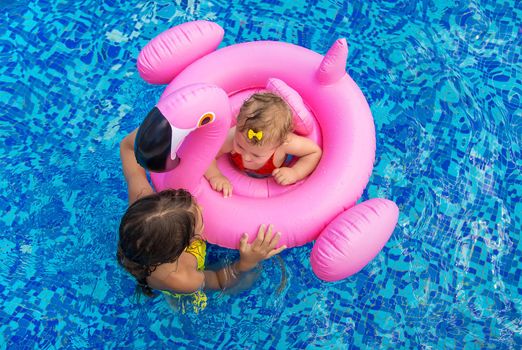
(206,118)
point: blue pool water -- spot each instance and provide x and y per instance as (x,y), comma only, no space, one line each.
(444,84)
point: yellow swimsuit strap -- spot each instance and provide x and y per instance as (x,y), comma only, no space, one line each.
(198,248)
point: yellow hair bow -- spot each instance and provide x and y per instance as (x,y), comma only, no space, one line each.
(258,135)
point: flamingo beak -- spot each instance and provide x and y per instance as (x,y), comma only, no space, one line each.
(154,149)
(178,135)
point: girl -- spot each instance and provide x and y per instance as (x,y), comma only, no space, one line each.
(161,240)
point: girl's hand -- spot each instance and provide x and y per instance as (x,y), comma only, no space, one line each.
(285,176)
(220,183)
(263,247)
(250,254)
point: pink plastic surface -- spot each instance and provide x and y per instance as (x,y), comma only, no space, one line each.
(343,124)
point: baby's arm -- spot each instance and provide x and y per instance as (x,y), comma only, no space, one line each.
(217,180)
(309,154)
(137,184)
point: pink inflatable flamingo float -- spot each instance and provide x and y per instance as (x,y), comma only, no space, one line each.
(204,85)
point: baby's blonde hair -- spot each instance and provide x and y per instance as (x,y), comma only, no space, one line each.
(267,113)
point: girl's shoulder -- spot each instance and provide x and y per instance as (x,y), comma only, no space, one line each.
(181,276)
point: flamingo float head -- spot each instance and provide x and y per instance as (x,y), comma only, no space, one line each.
(161,135)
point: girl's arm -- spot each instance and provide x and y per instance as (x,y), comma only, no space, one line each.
(309,154)
(262,248)
(137,184)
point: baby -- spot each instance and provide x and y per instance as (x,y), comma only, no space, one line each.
(262,144)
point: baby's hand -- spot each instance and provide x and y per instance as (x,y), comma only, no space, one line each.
(285,176)
(263,247)
(220,183)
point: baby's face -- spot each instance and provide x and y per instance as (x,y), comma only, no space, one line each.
(254,156)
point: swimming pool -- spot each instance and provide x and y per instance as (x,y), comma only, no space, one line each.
(444,85)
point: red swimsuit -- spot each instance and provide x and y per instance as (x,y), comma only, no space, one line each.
(264,171)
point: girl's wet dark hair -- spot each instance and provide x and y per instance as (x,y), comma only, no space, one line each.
(155,230)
